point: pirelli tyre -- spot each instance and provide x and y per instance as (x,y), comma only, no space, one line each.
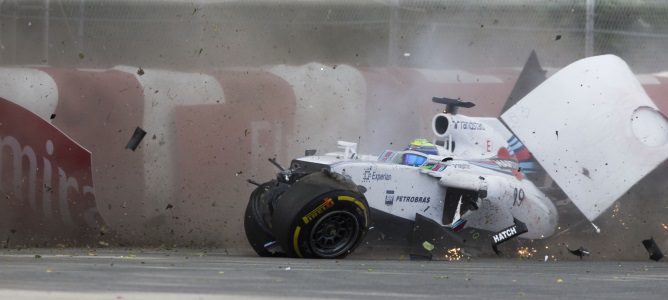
(256,221)
(323,215)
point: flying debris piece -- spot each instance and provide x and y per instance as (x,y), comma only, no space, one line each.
(140,71)
(169,206)
(53,116)
(609,92)
(579,252)
(585,172)
(598,230)
(136,138)
(310,152)
(427,246)
(653,249)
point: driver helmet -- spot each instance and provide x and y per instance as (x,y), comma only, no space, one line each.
(423,146)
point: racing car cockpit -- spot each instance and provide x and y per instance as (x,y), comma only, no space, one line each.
(417,154)
(413,159)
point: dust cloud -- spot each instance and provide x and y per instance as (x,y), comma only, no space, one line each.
(224,85)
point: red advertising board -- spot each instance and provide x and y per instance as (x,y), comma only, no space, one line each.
(45,182)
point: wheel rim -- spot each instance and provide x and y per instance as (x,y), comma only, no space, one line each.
(334,234)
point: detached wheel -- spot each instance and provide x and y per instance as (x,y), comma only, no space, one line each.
(320,216)
(256,221)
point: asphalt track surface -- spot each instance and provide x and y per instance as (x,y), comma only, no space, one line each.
(189,274)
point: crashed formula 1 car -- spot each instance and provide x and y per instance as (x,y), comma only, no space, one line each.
(590,126)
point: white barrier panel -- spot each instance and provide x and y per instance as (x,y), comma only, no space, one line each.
(331,104)
(594,130)
(31,88)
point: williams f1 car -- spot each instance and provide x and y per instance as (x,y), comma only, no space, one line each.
(590,126)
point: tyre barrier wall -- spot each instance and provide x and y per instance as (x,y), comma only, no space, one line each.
(208,132)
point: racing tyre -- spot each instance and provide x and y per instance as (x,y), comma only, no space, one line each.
(323,215)
(256,226)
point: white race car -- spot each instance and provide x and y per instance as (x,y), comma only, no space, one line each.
(590,126)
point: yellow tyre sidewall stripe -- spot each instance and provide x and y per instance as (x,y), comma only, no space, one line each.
(295,241)
(358,203)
